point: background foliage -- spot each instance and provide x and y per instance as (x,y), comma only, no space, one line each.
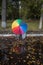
(29,9)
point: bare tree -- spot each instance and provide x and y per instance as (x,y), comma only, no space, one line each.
(3,24)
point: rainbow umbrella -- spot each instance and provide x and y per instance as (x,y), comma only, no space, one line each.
(19,27)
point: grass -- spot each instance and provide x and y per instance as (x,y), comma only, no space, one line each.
(32,25)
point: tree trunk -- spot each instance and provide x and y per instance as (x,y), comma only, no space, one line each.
(3,24)
(41,18)
(40,24)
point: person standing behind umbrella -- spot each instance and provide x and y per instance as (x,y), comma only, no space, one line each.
(19,27)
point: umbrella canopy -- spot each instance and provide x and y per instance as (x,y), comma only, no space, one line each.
(19,27)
